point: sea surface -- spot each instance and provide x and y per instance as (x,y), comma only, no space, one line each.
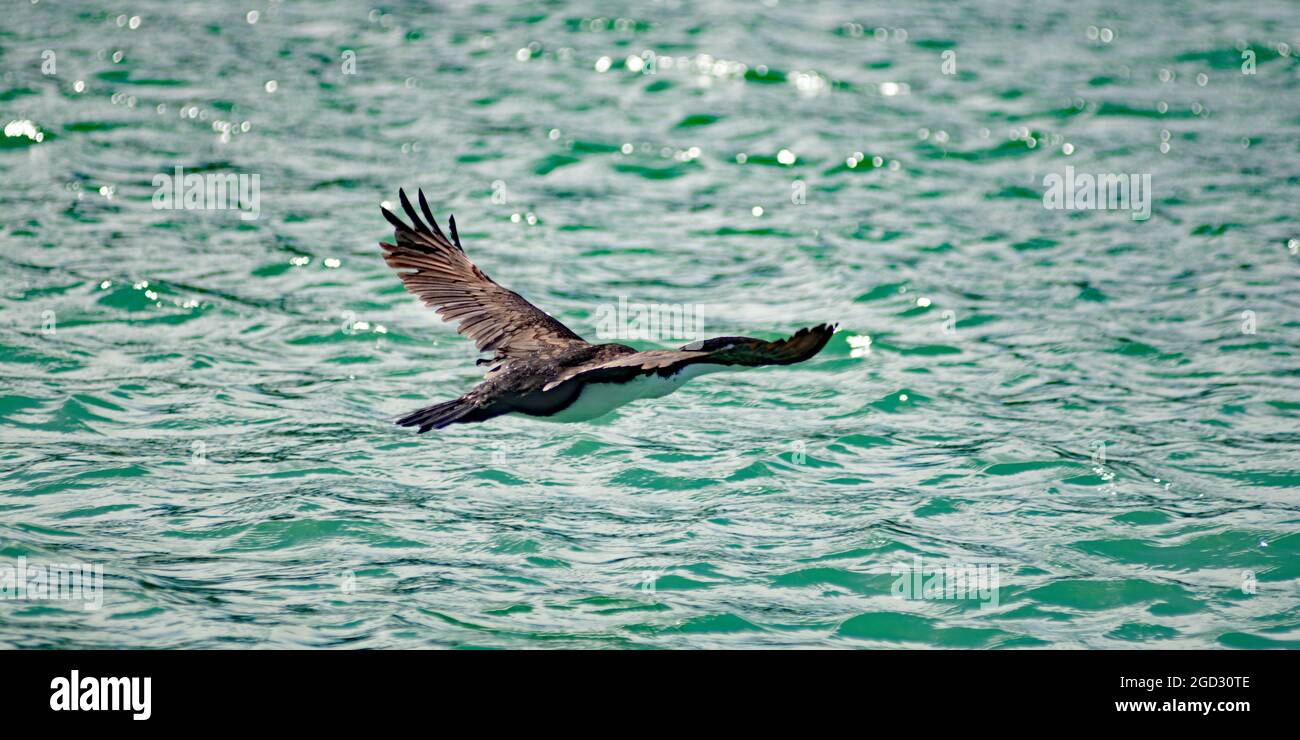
(1100,416)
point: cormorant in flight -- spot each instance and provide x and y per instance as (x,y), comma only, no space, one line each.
(540,367)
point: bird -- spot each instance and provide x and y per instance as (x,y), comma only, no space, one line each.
(539,367)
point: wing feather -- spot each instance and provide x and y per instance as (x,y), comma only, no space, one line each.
(744,351)
(435,268)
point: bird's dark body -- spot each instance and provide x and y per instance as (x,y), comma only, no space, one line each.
(518,386)
(540,367)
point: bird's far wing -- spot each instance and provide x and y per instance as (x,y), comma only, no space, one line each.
(745,351)
(435,268)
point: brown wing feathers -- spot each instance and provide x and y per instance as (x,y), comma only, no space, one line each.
(435,268)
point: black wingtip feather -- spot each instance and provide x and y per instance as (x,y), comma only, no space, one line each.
(411,214)
(428,214)
(394,220)
(418,225)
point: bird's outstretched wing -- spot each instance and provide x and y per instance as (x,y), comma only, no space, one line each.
(746,351)
(435,268)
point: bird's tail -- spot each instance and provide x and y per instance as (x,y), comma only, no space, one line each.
(440,415)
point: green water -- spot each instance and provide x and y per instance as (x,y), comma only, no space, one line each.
(1104,408)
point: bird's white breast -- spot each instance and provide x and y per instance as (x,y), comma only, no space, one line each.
(598,399)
